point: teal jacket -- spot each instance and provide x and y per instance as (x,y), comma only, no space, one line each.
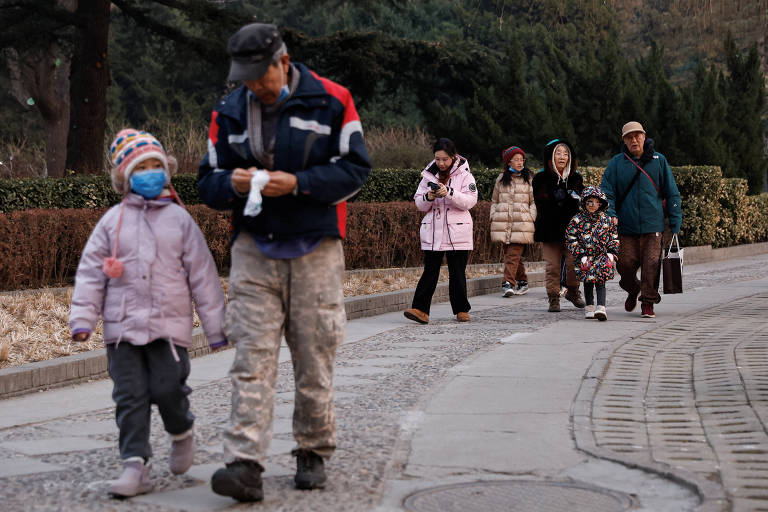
(642,212)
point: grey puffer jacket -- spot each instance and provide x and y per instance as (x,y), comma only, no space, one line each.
(166,263)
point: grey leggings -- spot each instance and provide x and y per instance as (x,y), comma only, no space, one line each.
(589,296)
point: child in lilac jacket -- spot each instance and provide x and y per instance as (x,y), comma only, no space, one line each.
(144,262)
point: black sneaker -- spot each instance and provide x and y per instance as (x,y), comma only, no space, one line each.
(240,480)
(521,288)
(310,470)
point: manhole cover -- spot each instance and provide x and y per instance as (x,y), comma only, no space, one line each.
(517,496)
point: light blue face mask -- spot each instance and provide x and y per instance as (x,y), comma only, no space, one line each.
(149,183)
(513,170)
(284,92)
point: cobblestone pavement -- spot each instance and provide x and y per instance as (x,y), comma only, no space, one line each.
(689,400)
(700,397)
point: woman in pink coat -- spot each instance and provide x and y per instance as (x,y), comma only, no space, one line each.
(446,193)
(144,262)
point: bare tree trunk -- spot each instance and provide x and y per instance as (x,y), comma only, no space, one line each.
(88,89)
(41,79)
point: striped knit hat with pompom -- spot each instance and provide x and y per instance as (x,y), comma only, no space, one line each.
(129,148)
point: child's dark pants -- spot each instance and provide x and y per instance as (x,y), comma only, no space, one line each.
(146,375)
(589,296)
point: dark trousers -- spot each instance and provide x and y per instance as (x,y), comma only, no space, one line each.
(640,252)
(457,280)
(144,375)
(589,295)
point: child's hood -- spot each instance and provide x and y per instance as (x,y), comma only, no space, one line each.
(594,191)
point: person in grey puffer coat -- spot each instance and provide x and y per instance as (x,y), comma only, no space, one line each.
(144,262)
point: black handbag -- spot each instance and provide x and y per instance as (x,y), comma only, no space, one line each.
(672,267)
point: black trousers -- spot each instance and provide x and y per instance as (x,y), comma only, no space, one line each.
(457,280)
(144,375)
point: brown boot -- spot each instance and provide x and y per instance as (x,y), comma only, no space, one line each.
(462,317)
(416,315)
(554,304)
(574,296)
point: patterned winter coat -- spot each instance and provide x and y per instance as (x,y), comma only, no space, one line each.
(513,211)
(593,235)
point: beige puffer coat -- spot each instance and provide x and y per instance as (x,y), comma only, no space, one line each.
(513,212)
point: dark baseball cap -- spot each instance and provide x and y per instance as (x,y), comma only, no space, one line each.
(251,49)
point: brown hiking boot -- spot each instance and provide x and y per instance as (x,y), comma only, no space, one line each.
(462,317)
(574,296)
(554,304)
(416,315)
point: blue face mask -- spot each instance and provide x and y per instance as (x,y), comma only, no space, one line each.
(512,170)
(284,92)
(148,184)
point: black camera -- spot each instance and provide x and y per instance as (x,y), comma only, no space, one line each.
(434,186)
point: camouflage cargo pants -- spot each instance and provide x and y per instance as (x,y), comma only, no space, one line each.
(303,299)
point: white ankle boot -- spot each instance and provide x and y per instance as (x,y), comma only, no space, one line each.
(589,311)
(133,481)
(600,313)
(182,452)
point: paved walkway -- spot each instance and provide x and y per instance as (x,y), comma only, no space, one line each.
(519,409)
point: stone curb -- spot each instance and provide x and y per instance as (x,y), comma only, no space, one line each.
(92,365)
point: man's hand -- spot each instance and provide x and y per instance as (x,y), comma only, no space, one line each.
(241,180)
(280,183)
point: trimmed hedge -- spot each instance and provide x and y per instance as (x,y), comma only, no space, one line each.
(716,212)
(42,247)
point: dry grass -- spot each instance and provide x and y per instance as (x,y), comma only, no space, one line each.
(33,325)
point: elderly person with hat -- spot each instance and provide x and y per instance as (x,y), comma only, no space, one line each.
(301,134)
(637,182)
(513,212)
(556,190)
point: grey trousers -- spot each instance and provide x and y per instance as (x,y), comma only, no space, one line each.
(302,298)
(144,375)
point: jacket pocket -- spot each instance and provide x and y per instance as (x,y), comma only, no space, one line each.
(114,307)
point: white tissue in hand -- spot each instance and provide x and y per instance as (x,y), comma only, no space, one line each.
(253,205)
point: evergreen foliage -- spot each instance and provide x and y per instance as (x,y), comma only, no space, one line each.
(487,74)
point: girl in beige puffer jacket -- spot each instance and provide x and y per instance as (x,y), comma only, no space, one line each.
(513,213)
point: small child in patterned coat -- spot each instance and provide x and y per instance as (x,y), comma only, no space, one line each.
(592,239)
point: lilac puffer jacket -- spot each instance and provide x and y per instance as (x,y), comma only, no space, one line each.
(447,225)
(166,263)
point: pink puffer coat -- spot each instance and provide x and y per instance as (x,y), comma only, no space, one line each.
(447,226)
(166,263)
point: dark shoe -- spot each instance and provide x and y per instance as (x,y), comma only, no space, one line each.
(507,290)
(240,480)
(462,317)
(574,296)
(554,304)
(416,315)
(310,470)
(631,303)
(646,310)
